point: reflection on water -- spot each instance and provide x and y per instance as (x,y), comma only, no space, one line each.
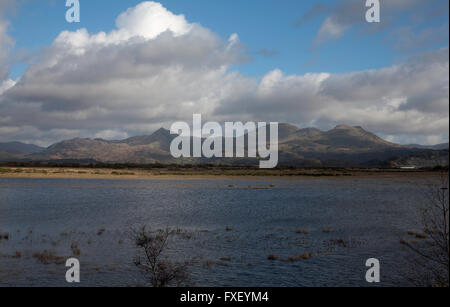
(230,228)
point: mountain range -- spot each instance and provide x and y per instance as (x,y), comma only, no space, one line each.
(341,146)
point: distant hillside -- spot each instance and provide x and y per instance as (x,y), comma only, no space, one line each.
(6,156)
(435,147)
(140,149)
(161,138)
(20,147)
(341,146)
(340,139)
(421,158)
(16,150)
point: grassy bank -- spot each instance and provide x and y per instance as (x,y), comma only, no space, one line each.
(199,172)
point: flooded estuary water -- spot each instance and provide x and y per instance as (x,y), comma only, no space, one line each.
(227,227)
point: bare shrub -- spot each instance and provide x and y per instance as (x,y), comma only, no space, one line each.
(430,256)
(152,258)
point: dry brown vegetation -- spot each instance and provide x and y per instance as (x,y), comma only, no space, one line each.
(302,231)
(48,257)
(149,171)
(306,256)
(272,257)
(75,250)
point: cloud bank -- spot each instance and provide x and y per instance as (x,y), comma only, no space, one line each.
(156,68)
(342,16)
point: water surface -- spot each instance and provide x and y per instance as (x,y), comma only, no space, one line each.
(366,218)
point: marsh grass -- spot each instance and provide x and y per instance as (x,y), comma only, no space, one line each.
(302,231)
(418,235)
(48,257)
(4,236)
(115,173)
(272,257)
(75,249)
(306,256)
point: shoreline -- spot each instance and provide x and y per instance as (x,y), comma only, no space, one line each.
(167,174)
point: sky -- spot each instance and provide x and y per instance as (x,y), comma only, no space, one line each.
(130,67)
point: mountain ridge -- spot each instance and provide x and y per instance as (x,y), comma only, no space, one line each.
(342,145)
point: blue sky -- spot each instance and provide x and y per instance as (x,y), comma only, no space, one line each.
(261,25)
(308,63)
